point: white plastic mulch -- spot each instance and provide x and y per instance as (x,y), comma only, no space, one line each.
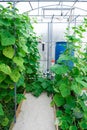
(36,114)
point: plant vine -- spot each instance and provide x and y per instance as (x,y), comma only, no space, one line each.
(70,79)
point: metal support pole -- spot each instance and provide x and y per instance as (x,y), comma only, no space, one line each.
(15,89)
(75,22)
(68,32)
(48,52)
(38,7)
(49,47)
(51,38)
(15,100)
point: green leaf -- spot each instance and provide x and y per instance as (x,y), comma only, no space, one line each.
(76,88)
(65,125)
(56,89)
(8,80)
(85,116)
(29,71)
(59,100)
(73,128)
(11,86)
(85,78)
(21,81)
(36,89)
(83,125)
(22,44)
(77,113)
(41,79)
(5,69)
(4,22)
(7,38)
(84,107)
(7,98)
(59,113)
(73,39)
(19,61)
(21,53)
(9,52)
(3,85)
(15,75)
(59,69)
(1,110)
(1,7)
(44,85)
(71,101)
(64,89)
(5,121)
(3,94)
(52,103)
(20,97)
(84,95)
(75,71)
(2,77)
(83,83)
(64,58)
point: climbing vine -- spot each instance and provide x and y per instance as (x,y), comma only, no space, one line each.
(70,80)
(18,59)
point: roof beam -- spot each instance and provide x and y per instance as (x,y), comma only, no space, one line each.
(30,5)
(57,8)
(42,0)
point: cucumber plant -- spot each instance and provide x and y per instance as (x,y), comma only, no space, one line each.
(69,82)
(18,59)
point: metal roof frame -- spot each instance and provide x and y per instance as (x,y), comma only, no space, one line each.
(52,7)
(66,7)
(43,0)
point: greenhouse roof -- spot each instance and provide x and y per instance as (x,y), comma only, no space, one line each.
(43,0)
(52,10)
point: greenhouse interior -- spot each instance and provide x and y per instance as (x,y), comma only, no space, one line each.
(43,64)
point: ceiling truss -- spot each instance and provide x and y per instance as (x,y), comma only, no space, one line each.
(61,8)
(43,0)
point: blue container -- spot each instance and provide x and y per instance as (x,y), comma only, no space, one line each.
(59,49)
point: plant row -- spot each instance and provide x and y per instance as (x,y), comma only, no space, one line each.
(19,58)
(70,80)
